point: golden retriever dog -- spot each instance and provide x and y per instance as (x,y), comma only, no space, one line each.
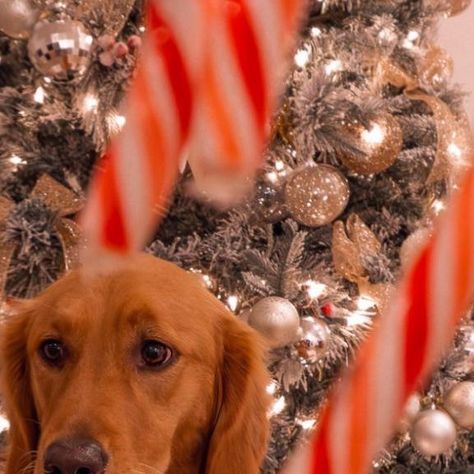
(137,371)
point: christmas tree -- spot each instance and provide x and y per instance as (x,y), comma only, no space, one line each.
(366,148)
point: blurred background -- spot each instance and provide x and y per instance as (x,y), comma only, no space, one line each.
(457,37)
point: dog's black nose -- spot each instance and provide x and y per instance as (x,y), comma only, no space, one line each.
(75,457)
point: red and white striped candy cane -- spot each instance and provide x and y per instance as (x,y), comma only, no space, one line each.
(403,350)
(207,80)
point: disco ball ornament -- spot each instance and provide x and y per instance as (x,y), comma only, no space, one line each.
(18,18)
(380,144)
(459,403)
(433,432)
(317,195)
(277,319)
(61,49)
(314,338)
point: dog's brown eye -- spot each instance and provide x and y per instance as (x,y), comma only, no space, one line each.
(155,354)
(53,352)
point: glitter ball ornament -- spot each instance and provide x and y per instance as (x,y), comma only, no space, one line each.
(433,432)
(314,338)
(437,67)
(61,49)
(317,195)
(275,318)
(381,143)
(459,403)
(457,6)
(17,18)
(270,201)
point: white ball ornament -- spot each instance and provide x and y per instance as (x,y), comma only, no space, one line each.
(17,18)
(459,403)
(275,318)
(433,432)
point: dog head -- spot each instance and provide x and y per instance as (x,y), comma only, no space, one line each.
(140,371)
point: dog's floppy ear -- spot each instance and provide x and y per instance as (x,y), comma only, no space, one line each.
(16,391)
(239,440)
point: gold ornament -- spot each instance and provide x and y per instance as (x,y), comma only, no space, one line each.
(275,318)
(457,6)
(350,249)
(380,143)
(436,67)
(60,200)
(459,403)
(317,195)
(433,432)
(454,137)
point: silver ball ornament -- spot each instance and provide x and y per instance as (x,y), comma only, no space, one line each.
(410,412)
(317,195)
(314,338)
(459,403)
(275,318)
(433,432)
(61,49)
(18,18)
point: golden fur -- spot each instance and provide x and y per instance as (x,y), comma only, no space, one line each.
(205,413)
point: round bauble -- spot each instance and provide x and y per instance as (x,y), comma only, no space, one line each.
(317,195)
(433,432)
(459,403)
(410,412)
(313,339)
(60,49)
(18,18)
(436,67)
(275,318)
(380,143)
(455,7)
(270,201)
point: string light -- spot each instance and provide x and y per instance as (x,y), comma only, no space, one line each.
(89,103)
(438,206)
(306,424)
(364,303)
(232,302)
(116,122)
(315,289)
(271,388)
(409,42)
(278,406)
(315,32)
(39,95)
(302,57)
(4,424)
(333,66)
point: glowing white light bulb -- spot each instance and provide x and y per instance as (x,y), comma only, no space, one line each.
(333,66)
(272,176)
(413,35)
(454,150)
(116,122)
(271,388)
(279,165)
(374,136)
(302,57)
(4,423)
(357,318)
(364,303)
(39,95)
(315,32)
(232,302)
(16,160)
(278,406)
(307,424)
(315,289)
(438,206)
(89,103)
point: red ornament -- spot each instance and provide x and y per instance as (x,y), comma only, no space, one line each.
(328,310)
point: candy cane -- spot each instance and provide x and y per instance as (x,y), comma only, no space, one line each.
(403,350)
(206,80)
